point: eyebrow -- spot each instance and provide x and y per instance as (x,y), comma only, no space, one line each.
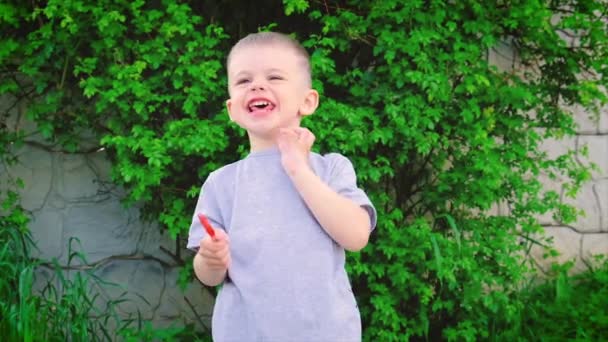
(275,70)
(241,73)
(247,73)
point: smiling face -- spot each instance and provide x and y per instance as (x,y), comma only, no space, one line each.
(269,89)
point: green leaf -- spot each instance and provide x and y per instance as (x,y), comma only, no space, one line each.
(295,6)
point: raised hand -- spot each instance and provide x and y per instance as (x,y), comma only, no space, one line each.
(295,145)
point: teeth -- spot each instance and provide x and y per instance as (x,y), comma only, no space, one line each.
(258,104)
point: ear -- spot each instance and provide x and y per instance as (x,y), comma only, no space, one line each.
(229,108)
(311,102)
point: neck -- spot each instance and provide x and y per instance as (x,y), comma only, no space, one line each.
(257,145)
(264,142)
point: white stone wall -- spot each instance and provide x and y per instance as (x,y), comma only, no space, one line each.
(71,196)
(588,236)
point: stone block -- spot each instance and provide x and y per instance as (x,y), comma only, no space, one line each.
(104,229)
(601,191)
(603,124)
(594,244)
(151,241)
(101,166)
(35,169)
(586,200)
(557,147)
(141,283)
(597,146)
(567,242)
(46,228)
(77,181)
(194,304)
(586,122)
(549,184)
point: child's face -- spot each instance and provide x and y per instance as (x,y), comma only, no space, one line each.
(268,90)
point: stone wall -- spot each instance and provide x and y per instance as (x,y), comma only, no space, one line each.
(587,236)
(70,195)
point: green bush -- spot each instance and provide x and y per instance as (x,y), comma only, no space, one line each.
(567,308)
(437,134)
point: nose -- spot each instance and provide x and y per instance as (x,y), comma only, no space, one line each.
(257,85)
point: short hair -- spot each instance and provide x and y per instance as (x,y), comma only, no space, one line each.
(267,38)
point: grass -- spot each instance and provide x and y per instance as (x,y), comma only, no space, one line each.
(62,306)
(569,308)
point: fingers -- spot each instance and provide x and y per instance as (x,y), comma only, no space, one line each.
(216,252)
(220,234)
(302,130)
(295,145)
(299,135)
(219,261)
(305,136)
(287,139)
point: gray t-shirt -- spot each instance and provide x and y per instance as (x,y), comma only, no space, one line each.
(287,280)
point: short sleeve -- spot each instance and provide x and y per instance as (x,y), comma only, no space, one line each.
(343,180)
(207,204)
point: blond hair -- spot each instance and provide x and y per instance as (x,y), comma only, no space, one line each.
(267,38)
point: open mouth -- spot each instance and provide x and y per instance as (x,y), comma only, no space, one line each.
(260,105)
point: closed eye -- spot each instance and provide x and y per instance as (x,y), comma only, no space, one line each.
(242,81)
(275,77)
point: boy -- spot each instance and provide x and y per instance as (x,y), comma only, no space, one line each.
(283,216)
